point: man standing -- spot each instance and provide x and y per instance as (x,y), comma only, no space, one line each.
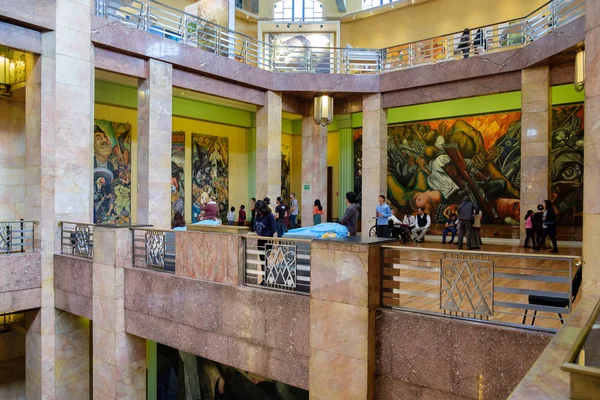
(465,216)
(422,225)
(280,215)
(383,213)
(293,210)
(350,217)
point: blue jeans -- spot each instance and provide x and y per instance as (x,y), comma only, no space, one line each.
(293,221)
(280,228)
(445,232)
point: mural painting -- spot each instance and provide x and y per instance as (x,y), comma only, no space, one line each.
(566,164)
(177,173)
(358,164)
(210,173)
(286,172)
(112,172)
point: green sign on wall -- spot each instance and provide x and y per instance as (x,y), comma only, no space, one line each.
(306,187)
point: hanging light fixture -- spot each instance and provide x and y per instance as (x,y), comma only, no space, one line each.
(323,110)
(579,79)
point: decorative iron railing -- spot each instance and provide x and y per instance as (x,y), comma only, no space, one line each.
(505,288)
(278,264)
(153,249)
(77,239)
(171,23)
(17,236)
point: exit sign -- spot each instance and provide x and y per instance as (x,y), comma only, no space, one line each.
(306,187)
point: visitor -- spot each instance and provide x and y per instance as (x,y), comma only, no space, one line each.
(465,43)
(449,228)
(265,221)
(293,210)
(383,213)
(476,228)
(317,212)
(400,226)
(231,216)
(480,43)
(178,220)
(465,216)
(530,232)
(280,214)
(252,213)
(210,210)
(242,216)
(423,222)
(549,226)
(267,201)
(350,217)
(538,222)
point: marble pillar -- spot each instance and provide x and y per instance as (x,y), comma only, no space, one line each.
(72,356)
(268,148)
(591,183)
(314,168)
(536,130)
(155,120)
(374,158)
(251,166)
(342,320)
(346,151)
(119,359)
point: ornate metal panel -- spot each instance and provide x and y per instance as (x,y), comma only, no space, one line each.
(5,238)
(280,269)
(155,249)
(82,241)
(467,286)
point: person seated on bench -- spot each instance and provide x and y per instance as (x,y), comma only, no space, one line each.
(423,222)
(402,226)
(449,228)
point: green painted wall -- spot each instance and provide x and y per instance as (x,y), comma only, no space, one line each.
(565,94)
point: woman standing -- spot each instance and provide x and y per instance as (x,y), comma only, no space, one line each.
(529,229)
(476,231)
(549,226)
(317,212)
(265,221)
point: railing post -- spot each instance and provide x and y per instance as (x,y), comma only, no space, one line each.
(245,48)
(184,32)
(145,8)
(218,40)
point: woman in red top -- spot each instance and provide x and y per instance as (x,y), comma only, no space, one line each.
(242,217)
(317,212)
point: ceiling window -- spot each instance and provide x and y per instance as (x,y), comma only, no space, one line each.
(366,4)
(298,10)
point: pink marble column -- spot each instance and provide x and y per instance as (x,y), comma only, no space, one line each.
(374,157)
(119,359)
(536,121)
(591,185)
(314,168)
(155,117)
(268,148)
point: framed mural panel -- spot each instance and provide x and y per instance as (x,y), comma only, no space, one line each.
(112,172)
(210,173)
(177,174)
(286,173)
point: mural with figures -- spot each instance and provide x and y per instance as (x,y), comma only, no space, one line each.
(177,173)
(112,172)
(566,164)
(210,173)
(286,172)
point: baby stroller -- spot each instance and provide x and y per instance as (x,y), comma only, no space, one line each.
(400,232)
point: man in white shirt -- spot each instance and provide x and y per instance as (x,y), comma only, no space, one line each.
(423,222)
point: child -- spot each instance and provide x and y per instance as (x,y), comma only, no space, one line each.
(231,216)
(242,217)
(317,212)
(529,229)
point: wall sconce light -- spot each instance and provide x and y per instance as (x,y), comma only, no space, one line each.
(323,110)
(579,79)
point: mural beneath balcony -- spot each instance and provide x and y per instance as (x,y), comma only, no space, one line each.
(185,376)
(112,172)
(286,172)
(177,173)
(210,173)
(301,52)
(566,163)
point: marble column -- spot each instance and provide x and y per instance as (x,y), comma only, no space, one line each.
(268,148)
(72,356)
(374,157)
(155,121)
(119,359)
(591,183)
(251,166)
(536,129)
(346,151)
(314,168)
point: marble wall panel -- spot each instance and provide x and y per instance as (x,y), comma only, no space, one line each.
(39,13)
(121,63)
(72,356)
(20,38)
(20,300)
(20,272)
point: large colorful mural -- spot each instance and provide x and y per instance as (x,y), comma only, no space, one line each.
(210,173)
(112,172)
(566,163)
(286,172)
(177,173)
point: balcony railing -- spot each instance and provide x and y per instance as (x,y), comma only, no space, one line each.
(77,239)
(17,236)
(153,249)
(504,288)
(279,264)
(171,23)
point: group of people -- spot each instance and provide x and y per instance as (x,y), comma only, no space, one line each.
(540,225)
(407,226)
(467,224)
(479,42)
(265,222)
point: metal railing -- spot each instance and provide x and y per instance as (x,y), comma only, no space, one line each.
(17,236)
(278,264)
(505,288)
(153,249)
(171,23)
(77,239)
